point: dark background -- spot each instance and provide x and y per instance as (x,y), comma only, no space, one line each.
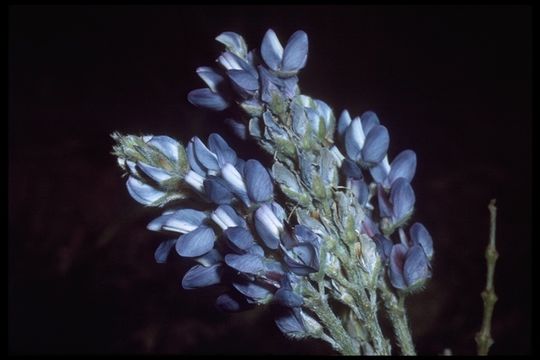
(452,83)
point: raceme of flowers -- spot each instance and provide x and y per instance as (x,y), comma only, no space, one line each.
(324,214)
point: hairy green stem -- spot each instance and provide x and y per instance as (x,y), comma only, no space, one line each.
(344,343)
(483,337)
(395,306)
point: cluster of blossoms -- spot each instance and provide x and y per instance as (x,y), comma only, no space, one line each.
(321,235)
(225,241)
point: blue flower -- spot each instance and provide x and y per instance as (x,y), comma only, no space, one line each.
(403,166)
(366,142)
(286,61)
(409,267)
(400,205)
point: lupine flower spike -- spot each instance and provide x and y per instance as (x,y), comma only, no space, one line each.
(326,220)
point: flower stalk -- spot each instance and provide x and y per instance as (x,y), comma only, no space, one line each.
(483,337)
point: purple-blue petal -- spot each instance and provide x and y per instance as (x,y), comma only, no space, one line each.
(218,190)
(350,169)
(224,152)
(343,122)
(369,121)
(258,182)
(196,243)
(385,208)
(289,321)
(384,246)
(376,145)
(244,81)
(403,165)
(354,140)
(247,263)
(231,302)
(397,261)
(296,52)
(163,250)
(239,238)
(238,128)
(201,276)
(421,236)
(416,268)
(205,157)
(288,298)
(252,290)
(207,99)
(402,198)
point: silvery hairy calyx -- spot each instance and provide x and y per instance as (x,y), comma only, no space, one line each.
(322,235)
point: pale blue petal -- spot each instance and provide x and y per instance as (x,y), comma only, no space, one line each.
(154,173)
(234,42)
(167,146)
(210,258)
(193,162)
(183,221)
(271,50)
(207,158)
(210,77)
(266,229)
(143,193)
